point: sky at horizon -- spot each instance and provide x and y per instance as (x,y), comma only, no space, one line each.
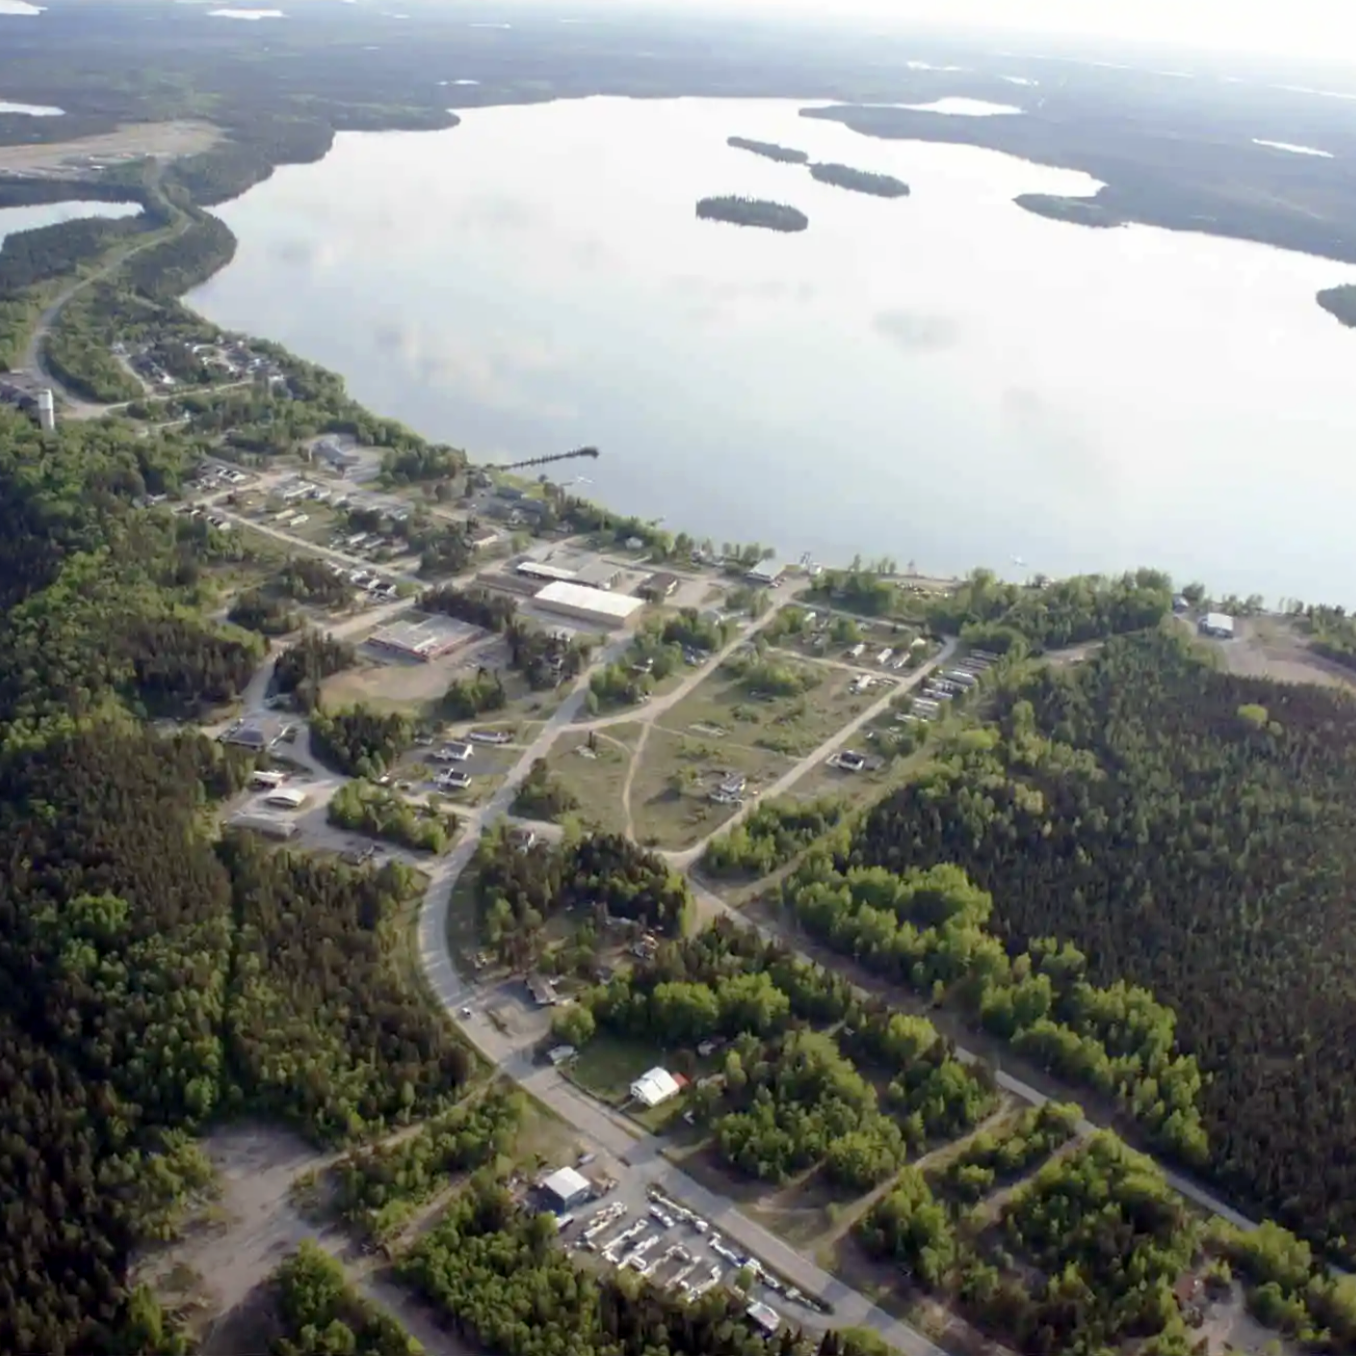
(1314,29)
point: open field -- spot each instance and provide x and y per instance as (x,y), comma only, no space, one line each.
(595,777)
(1268,647)
(164,140)
(793,726)
(670,793)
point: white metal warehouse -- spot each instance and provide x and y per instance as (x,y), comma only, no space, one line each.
(607,610)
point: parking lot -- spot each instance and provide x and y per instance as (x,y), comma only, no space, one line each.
(637,1226)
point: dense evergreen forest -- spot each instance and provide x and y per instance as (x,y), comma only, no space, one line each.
(860,181)
(518,890)
(149,982)
(1191,831)
(769,150)
(771,216)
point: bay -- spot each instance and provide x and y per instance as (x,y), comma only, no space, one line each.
(16,219)
(944,378)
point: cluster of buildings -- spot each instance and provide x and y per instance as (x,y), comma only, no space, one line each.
(30,395)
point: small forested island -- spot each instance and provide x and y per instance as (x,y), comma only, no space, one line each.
(769,150)
(860,181)
(1081,211)
(772,216)
(1340,302)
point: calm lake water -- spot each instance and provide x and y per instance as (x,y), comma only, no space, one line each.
(943,378)
(15,219)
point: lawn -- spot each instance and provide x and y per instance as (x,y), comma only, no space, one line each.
(608,1065)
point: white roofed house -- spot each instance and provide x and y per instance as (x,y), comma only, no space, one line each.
(656,1086)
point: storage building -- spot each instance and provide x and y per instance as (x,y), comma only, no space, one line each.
(767,572)
(269,825)
(424,638)
(566,1188)
(654,1087)
(659,586)
(578,601)
(541,569)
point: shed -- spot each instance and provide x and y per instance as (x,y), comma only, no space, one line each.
(566,1188)
(1217,624)
(654,1087)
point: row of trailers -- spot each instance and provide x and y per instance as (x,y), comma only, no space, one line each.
(951,683)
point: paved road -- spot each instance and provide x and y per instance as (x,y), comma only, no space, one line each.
(601,1124)
(341,558)
(834,744)
(1186,1186)
(34,359)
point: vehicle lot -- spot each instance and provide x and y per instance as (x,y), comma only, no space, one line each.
(638,1227)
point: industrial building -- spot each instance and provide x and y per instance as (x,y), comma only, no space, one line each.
(566,1188)
(768,573)
(659,586)
(336,456)
(258,734)
(424,638)
(582,603)
(269,825)
(655,1087)
(1217,625)
(543,569)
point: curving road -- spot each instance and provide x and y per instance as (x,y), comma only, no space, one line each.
(34,359)
(614,1133)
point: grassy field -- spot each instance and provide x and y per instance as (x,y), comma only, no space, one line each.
(793,726)
(595,776)
(670,794)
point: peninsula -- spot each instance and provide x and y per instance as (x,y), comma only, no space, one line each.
(1340,302)
(771,216)
(769,150)
(860,181)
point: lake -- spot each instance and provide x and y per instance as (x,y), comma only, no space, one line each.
(15,219)
(943,378)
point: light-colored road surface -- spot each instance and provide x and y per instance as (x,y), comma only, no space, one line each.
(34,357)
(604,1126)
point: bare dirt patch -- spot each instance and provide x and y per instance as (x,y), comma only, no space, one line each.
(163,140)
(1267,647)
(231,1248)
(1229,1327)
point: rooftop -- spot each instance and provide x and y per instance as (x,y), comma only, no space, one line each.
(424,635)
(567,595)
(654,1087)
(567,1184)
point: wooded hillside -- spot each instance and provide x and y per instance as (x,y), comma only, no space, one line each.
(1193,832)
